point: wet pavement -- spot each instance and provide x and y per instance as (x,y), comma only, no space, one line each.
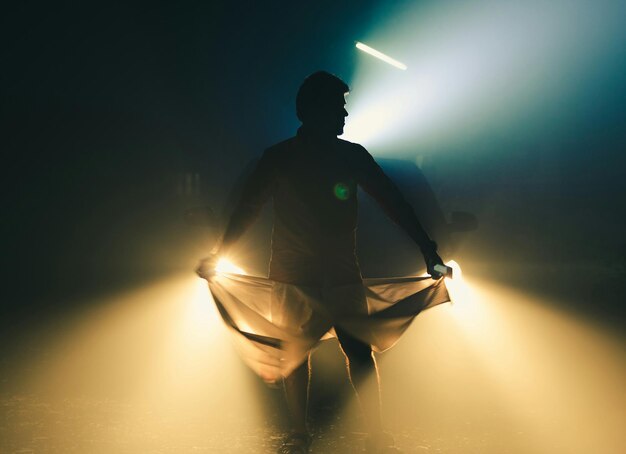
(32,425)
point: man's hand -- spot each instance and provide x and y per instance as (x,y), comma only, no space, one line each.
(432,259)
(429,250)
(206,267)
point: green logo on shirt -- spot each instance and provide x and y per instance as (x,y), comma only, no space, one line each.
(342,191)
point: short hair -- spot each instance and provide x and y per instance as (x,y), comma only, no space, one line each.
(316,91)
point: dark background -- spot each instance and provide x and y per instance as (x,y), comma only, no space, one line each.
(118,118)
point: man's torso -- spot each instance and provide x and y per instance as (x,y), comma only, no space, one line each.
(314,191)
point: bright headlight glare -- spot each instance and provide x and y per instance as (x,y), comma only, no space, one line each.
(226,266)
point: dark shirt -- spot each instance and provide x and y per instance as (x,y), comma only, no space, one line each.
(314,188)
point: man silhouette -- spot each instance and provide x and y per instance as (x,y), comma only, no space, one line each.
(313,179)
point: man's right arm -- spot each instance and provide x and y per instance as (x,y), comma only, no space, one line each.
(256,191)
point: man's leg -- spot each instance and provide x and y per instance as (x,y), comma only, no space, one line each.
(361,364)
(297,395)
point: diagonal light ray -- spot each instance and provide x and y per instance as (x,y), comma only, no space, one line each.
(375,53)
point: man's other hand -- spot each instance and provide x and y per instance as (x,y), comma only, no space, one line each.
(432,258)
(206,267)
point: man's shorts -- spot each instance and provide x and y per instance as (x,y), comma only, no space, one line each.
(311,312)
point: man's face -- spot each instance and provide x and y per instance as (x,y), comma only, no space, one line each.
(331,117)
(339,114)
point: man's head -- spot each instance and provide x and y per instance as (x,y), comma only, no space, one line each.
(320,103)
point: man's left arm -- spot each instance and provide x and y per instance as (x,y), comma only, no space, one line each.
(378,185)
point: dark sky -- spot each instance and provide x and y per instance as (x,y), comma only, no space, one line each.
(108,110)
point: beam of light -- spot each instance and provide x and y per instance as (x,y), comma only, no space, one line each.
(157,350)
(375,53)
(477,69)
(504,370)
(461,295)
(226,266)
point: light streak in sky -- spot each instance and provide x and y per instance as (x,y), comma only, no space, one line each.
(375,53)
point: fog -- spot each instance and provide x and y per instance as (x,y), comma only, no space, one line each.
(117,120)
